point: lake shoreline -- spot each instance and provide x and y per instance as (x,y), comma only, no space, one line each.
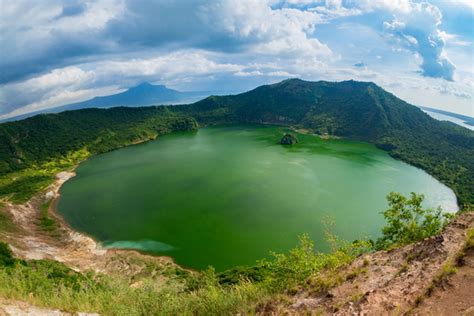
(228,162)
(75,248)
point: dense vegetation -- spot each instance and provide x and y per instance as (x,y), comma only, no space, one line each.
(240,290)
(33,149)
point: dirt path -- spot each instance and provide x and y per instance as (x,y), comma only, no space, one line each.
(17,308)
(454,296)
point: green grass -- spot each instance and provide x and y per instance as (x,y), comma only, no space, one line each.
(51,284)
(46,223)
(20,186)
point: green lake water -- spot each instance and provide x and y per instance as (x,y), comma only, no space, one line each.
(227,196)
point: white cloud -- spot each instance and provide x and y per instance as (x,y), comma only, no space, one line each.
(466,3)
(169,66)
(417,29)
(265,30)
(241,73)
(404,6)
(34,37)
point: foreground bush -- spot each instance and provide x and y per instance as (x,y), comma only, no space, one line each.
(408,221)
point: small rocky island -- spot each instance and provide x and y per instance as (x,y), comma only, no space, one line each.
(288,139)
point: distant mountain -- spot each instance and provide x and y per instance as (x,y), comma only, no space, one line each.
(142,95)
(350,109)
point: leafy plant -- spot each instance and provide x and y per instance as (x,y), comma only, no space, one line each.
(408,221)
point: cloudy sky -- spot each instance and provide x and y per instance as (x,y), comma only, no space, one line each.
(57,52)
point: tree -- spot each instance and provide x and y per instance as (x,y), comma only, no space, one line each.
(408,221)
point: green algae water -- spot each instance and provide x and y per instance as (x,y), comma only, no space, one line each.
(227,196)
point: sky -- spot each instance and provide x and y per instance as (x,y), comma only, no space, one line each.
(58,52)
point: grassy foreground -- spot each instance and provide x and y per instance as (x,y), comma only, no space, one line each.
(51,284)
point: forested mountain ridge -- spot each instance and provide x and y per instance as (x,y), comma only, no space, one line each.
(360,110)
(356,110)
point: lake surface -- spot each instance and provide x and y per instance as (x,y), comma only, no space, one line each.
(226,196)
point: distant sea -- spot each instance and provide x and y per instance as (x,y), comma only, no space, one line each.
(443,117)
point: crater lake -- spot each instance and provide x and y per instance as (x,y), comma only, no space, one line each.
(227,196)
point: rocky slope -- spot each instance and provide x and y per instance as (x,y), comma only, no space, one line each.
(431,277)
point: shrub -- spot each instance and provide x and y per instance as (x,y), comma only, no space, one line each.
(408,221)
(293,269)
